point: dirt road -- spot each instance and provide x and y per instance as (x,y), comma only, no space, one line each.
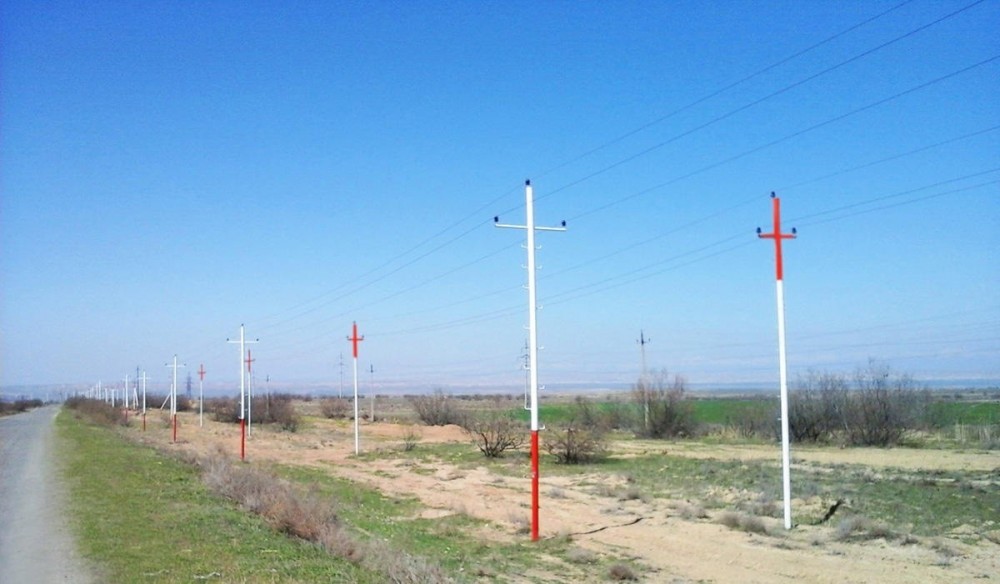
(35,542)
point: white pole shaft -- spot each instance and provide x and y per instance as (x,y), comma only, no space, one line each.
(143,392)
(532,307)
(243,402)
(357,434)
(249,398)
(786,479)
(173,391)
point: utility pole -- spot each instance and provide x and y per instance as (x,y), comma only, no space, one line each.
(354,338)
(201,395)
(173,397)
(243,408)
(530,228)
(372,370)
(777,236)
(188,387)
(341,375)
(644,379)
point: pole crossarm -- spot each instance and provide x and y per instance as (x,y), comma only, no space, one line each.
(777,235)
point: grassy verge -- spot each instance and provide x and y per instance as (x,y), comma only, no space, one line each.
(144,517)
(460,543)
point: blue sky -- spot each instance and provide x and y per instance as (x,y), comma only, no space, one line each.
(171,170)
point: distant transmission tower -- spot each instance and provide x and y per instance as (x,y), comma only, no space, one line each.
(190,395)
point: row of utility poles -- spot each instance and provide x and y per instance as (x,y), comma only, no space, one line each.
(531,358)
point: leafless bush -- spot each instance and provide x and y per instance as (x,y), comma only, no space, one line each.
(743,522)
(884,407)
(857,527)
(621,573)
(411,436)
(878,410)
(664,412)
(312,518)
(273,409)
(97,411)
(335,408)
(494,432)
(20,405)
(581,439)
(436,409)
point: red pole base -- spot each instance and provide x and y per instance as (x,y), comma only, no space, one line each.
(144,421)
(534,485)
(175,427)
(243,439)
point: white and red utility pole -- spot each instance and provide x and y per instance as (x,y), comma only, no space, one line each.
(173,398)
(778,236)
(201,395)
(354,338)
(243,404)
(531,228)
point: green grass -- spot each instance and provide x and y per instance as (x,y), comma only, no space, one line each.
(945,413)
(144,517)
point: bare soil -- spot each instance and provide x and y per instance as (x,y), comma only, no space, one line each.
(663,537)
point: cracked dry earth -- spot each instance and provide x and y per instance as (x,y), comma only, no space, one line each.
(663,537)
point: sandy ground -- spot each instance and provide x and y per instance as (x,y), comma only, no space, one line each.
(659,535)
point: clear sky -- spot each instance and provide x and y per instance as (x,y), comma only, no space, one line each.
(171,170)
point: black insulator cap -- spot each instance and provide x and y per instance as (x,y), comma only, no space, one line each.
(527,182)
(773,195)
(564,224)
(758,231)
(793,231)
(496,218)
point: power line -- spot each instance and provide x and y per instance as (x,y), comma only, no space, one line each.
(758,101)
(721,90)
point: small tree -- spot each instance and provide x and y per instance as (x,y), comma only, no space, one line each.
(663,410)
(494,431)
(437,409)
(579,440)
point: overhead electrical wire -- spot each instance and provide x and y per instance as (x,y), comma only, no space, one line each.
(758,101)
(263,322)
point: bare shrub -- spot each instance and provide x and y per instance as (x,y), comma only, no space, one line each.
(312,518)
(97,411)
(494,432)
(690,511)
(757,421)
(581,439)
(743,522)
(578,555)
(857,527)
(225,409)
(879,410)
(884,407)
(622,572)
(411,436)
(664,411)
(335,408)
(436,409)
(263,409)
(817,406)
